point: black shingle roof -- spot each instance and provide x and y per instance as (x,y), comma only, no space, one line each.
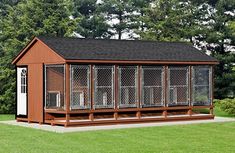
(108,49)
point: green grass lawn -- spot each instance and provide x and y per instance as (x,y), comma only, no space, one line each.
(211,137)
(4,117)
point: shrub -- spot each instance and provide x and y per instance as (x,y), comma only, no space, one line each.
(227,105)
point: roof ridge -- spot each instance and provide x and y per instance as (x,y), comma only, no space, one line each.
(121,40)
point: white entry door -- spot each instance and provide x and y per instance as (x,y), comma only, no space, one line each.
(21,91)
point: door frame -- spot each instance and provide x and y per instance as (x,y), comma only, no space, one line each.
(16,101)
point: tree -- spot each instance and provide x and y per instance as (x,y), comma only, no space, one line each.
(209,25)
(162,22)
(21,22)
(173,20)
(138,17)
(220,38)
(120,12)
(4,4)
(90,21)
(5,73)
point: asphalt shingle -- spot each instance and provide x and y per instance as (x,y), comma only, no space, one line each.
(109,49)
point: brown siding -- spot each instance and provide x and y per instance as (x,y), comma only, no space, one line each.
(35,92)
(40,53)
(34,58)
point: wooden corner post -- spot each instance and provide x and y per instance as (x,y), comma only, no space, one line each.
(165,69)
(138,113)
(212,89)
(115,92)
(67,93)
(92,91)
(190,90)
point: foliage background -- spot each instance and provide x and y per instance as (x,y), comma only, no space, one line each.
(208,24)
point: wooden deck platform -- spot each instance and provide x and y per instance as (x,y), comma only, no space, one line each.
(129,120)
(125,116)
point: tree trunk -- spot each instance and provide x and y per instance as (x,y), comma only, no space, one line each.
(119,34)
(142,22)
(191,40)
(119,28)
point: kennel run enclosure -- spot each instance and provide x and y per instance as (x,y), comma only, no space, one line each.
(77,82)
(101,92)
(153,86)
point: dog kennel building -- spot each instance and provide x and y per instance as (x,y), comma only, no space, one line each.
(72,81)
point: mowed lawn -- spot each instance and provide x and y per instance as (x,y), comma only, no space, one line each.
(5,117)
(211,137)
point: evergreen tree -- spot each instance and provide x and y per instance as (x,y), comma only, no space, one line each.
(140,8)
(162,22)
(207,24)
(173,20)
(120,12)
(21,22)
(138,18)
(220,38)
(90,21)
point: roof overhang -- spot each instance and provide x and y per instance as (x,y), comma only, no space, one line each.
(144,62)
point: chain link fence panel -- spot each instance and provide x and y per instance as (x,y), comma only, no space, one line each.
(128,82)
(55,87)
(201,85)
(178,93)
(80,87)
(152,79)
(104,86)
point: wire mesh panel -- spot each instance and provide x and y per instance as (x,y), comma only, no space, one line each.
(128,80)
(104,87)
(177,86)
(80,87)
(152,86)
(201,85)
(55,87)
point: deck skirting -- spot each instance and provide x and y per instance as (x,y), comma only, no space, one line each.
(127,120)
(126,116)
